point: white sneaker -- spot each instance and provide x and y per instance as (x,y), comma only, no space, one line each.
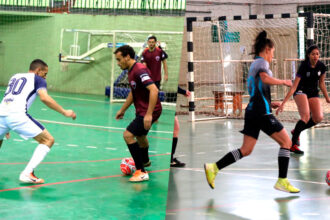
(30,178)
(139,176)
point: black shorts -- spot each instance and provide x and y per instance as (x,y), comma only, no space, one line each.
(267,123)
(157,83)
(136,127)
(310,94)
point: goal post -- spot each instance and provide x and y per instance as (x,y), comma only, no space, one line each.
(219,56)
(97,47)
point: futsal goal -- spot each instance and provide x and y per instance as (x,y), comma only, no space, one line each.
(219,56)
(80,46)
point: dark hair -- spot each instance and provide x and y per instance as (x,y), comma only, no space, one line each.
(152,37)
(309,51)
(37,63)
(126,50)
(261,43)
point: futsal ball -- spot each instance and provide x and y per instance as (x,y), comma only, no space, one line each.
(127,166)
(327,178)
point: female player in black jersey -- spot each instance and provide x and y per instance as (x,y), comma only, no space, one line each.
(311,73)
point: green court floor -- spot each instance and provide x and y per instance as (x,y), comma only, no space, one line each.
(81,172)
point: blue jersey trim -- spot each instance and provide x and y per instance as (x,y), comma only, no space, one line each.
(263,97)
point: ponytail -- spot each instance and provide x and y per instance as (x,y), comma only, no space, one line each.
(261,43)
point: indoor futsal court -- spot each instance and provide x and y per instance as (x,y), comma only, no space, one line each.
(82,175)
(245,190)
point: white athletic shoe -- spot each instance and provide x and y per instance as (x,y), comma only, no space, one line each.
(139,176)
(30,178)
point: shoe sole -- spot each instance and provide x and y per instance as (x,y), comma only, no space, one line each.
(206,177)
(178,165)
(295,152)
(136,181)
(31,182)
(283,190)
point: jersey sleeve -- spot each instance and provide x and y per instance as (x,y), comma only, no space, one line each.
(264,67)
(323,68)
(39,83)
(301,70)
(164,55)
(181,91)
(143,77)
(142,60)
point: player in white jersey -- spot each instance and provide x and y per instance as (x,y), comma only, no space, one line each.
(20,93)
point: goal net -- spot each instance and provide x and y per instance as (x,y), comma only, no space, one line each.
(221,58)
(93,46)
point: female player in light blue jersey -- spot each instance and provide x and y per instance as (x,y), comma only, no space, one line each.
(21,91)
(258,116)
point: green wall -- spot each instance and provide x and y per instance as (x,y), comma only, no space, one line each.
(26,36)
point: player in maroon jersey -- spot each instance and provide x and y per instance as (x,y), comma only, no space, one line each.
(153,57)
(144,95)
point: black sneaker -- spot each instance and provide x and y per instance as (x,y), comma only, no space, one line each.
(177,163)
(295,149)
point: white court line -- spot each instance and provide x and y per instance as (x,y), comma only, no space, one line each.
(311,214)
(91,147)
(96,126)
(79,99)
(152,151)
(72,145)
(18,140)
(255,176)
(169,106)
(110,148)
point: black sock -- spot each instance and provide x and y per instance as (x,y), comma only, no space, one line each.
(300,126)
(145,154)
(283,162)
(310,123)
(229,158)
(134,149)
(174,143)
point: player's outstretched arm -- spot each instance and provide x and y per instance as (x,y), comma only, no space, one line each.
(125,106)
(267,79)
(51,103)
(153,97)
(290,93)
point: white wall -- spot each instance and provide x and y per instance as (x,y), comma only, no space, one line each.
(239,7)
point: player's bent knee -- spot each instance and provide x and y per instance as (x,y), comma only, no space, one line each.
(128,136)
(51,141)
